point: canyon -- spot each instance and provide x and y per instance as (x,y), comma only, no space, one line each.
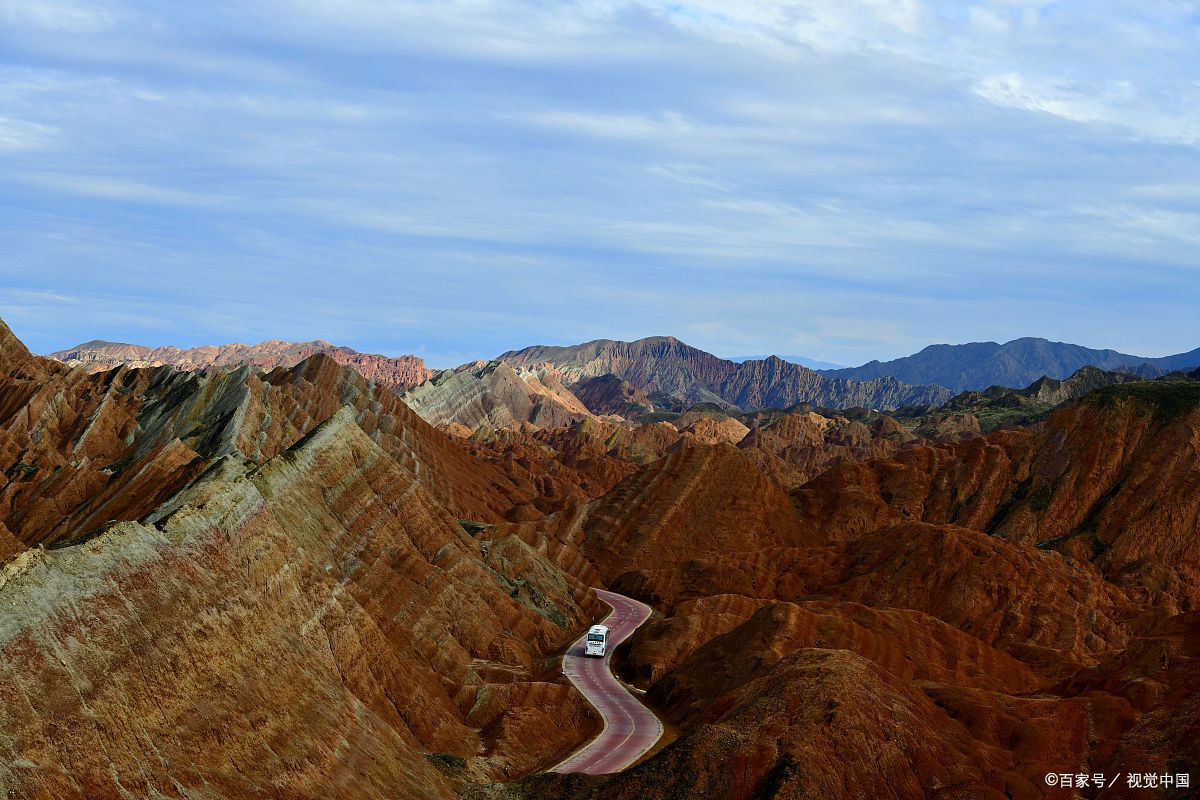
(296,580)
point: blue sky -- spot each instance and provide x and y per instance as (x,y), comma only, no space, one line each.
(843,179)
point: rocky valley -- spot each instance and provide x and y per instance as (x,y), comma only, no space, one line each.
(293,574)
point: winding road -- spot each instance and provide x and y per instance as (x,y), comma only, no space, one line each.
(630,729)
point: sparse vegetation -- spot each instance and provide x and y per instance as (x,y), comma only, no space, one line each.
(20,471)
(1051,544)
(1168,398)
(659,416)
(474,528)
(447,762)
(1039,498)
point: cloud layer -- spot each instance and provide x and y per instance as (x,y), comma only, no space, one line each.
(849,179)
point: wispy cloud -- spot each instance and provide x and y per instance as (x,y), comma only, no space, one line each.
(57,16)
(110,188)
(16,134)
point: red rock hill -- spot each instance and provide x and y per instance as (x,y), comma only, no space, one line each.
(398,374)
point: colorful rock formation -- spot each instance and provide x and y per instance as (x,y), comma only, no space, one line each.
(398,373)
(494,396)
(287,606)
(236,583)
(946,621)
(665,364)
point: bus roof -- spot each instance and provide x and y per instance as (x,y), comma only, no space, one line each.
(598,629)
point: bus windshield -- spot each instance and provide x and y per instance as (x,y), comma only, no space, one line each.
(595,637)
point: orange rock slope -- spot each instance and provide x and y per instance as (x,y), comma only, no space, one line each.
(230,583)
(949,621)
(83,449)
(302,615)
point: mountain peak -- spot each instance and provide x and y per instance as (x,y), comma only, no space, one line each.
(13,352)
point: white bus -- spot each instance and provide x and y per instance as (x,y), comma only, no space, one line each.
(597,641)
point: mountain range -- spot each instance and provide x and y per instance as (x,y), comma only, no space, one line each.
(398,373)
(240,583)
(980,365)
(666,365)
(551,385)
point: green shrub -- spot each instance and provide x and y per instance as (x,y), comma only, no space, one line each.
(1039,499)
(447,762)
(1168,399)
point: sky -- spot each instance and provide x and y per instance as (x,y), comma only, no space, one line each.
(839,179)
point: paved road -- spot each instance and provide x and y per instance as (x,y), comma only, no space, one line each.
(630,729)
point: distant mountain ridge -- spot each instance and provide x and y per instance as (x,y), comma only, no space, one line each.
(671,373)
(398,374)
(1015,364)
(665,364)
(803,361)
